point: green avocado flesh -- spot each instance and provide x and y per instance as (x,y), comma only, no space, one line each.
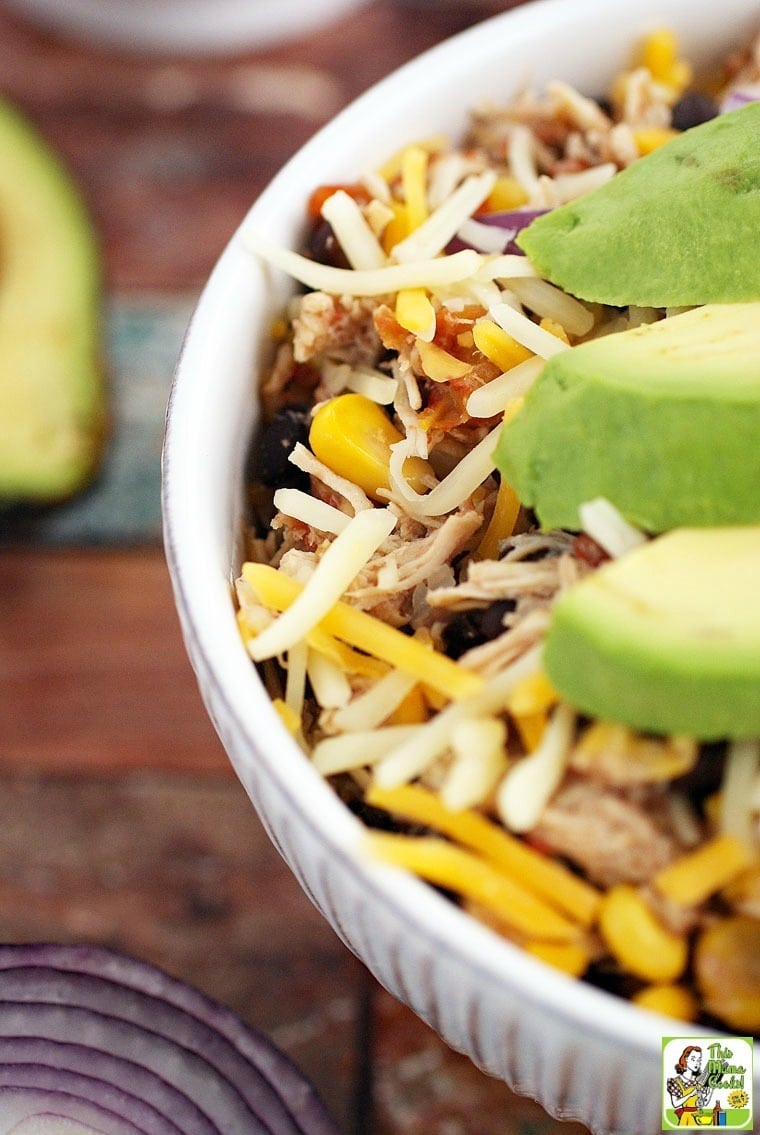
(666,639)
(51,394)
(678,227)
(662,420)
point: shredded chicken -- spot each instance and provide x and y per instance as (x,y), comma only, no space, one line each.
(612,835)
(305,460)
(341,326)
(500,652)
(489,580)
(402,565)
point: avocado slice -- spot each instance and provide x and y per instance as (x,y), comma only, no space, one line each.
(678,227)
(666,639)
(662,420)
(52,411)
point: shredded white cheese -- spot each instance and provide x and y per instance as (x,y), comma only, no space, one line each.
(360,245)
(522,159)
(339,565)
(485,238)
(604,523)
(432,236)
(737,797)
(331,687)
(411,757)
(376,704)
(506,267)
(496,395)
(525,331)
(542,298)
(479,762)
(530,783)
(455,488)
(366,380)
(355,750)
(374,282)
(566,187)
(310,510)
(295,682)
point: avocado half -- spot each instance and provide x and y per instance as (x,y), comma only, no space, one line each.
(666,639)
(52,407)
(661,420)
(675,228)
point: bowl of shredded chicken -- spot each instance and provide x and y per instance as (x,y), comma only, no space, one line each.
(366,597)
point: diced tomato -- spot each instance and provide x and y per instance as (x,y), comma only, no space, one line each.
(392,335)
(322,192)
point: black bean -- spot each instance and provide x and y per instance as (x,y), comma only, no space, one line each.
(324,246)
(269,457)
(706,777)
(467,629)
(693,108)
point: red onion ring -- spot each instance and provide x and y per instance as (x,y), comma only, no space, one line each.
(513,222)
(99,1038)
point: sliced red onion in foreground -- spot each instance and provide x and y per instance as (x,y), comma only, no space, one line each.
(93,1041)
(512,222)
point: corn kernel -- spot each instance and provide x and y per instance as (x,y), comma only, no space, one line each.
(554,328)
(649,138)
(669,1000)
(660,56)
(498,345)
(507,193)
(415,313)
(699,874)
(353,437)
(440,365)
(637,939)
(571,957)
(659,52)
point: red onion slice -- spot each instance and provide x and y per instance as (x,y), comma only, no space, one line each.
(22,1108)
(280,1073)
(143,1082)
(130,1109)
(513,222)
(197,1068)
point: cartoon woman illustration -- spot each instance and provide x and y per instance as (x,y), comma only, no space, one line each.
(688,1091)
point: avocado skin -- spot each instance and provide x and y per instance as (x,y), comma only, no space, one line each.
(53,415)
(670,442)
(618,658)
(678,227)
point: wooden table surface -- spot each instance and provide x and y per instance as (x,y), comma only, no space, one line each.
(120,820)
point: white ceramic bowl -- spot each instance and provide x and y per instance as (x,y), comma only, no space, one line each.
(582,1053)
(186,26)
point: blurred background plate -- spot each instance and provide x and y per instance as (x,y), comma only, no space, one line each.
(192,26)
